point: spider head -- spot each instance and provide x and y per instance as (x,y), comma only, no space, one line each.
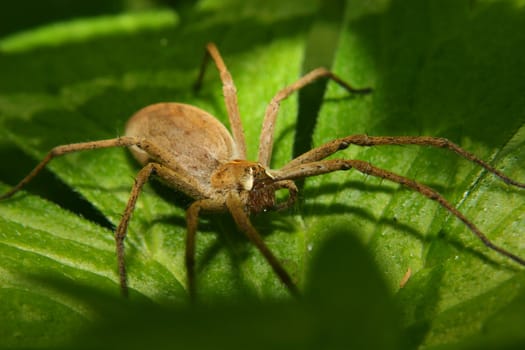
(250,179)
(239,175)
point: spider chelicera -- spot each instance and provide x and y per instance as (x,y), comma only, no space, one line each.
(192,152)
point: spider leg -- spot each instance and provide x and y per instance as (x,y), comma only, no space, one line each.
(328,166)
(331,147)
(193,188)
(266,138)
(192,217)
(142,177)
(65,149)
(122,227)
(230,95)
(235,206)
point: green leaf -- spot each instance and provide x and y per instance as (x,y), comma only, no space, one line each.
(437,68)
(331,316)
(440,69)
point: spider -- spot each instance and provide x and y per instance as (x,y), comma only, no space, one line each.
(192,152)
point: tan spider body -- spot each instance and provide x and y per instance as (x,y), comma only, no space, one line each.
(192,152)
(202,155)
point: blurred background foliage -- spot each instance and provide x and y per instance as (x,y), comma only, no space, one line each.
(21,15)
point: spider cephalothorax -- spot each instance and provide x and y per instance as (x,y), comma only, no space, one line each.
(254,184)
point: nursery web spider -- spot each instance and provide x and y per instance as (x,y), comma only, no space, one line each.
(192,152)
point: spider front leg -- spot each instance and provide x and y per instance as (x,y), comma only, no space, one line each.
(266,138)
(230,96)
(235,206)
(331,147)
(328,166)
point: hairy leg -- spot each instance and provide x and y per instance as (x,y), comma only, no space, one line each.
(331,147)
(242,220)
(328,166)
(121,231)
(189,185)
(192,217)
(266,138)
(230,95)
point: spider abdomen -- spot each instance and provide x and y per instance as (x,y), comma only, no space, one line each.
(195,140)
